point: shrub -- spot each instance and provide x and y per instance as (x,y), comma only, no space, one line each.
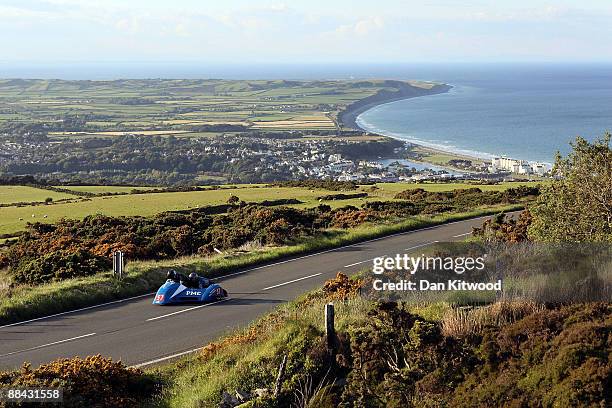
(94,381)
(341,196)
(319,184)
(461,199)
(59,265)
(341,287)
(500,228)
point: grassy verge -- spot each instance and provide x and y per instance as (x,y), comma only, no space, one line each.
(22,303)
(482,356)
(229,364)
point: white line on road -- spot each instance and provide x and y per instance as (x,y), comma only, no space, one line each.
(48,344)
(407,249)
(462,235)
(159,360)
(186,310)
(77,310)
(360,262)
(293,281)
(421,245)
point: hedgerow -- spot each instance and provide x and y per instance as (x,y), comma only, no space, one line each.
(318,184)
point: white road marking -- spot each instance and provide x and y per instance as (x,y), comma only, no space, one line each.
(77,310)
(159,360)
(360,262)
(293,281)
(48,344)
(186,310)
(462,235)
(407,249)
(421,245)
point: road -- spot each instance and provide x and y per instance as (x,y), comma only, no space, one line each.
(141,334)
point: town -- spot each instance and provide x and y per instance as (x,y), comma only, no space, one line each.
(251,157)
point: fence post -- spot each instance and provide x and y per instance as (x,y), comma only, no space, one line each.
(330,330)
(118,264)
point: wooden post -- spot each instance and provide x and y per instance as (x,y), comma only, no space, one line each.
(330,329)
(279,377)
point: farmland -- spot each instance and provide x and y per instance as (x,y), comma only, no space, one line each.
(14,219)
(164,107)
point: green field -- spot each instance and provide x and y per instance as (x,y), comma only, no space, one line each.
(165,107)
(14,219)
(24,194)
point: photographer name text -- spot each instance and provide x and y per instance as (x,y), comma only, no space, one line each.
(423,284)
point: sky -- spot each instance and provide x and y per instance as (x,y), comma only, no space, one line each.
(313,31)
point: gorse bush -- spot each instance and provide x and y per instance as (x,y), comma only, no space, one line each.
(342,196)
(95,382)
(556,357)
(501,228)
(461,199)
(72,248)
(60,265)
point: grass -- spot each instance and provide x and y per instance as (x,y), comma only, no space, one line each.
(264,340)
(24,302)
(14,219)
(439,157)
(25,194)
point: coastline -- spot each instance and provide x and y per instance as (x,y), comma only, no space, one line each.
(348,117)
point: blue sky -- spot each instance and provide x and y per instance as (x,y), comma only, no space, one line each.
(332,31)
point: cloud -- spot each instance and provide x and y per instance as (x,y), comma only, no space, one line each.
(290,31)
(362,27)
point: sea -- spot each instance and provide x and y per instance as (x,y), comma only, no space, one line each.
(523,112)
(520,110)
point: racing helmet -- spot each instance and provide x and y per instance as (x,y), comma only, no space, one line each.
(193,276)
(171,275)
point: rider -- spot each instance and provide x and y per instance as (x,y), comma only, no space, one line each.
(197,281)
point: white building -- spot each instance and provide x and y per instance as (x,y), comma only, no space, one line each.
(540,168)
(341,166)
(333,158)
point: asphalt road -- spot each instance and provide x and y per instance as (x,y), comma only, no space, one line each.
(139,333)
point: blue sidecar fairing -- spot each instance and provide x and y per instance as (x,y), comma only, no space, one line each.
(173,292)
